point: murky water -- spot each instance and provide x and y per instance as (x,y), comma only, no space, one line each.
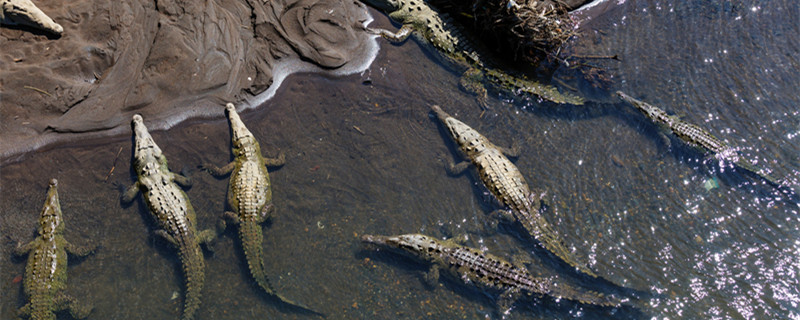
(365,157)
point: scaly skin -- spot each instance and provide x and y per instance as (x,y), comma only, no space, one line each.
(425,22)
(24,12)
(250,196)
(507,184)
(46,273)
(698,138)
(171,209)
(485,270)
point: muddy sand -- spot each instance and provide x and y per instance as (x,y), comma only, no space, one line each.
(168,61)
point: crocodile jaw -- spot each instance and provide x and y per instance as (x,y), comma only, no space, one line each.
(466,137)
(145,146)
(238,129)
(649,110)
(414,244)
(51,221)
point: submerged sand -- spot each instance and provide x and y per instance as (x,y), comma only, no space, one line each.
(167,60)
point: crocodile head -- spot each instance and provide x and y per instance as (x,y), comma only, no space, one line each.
(650,111)
(146,150)
(416,245)
(51,220)
(466,137)
(241,137)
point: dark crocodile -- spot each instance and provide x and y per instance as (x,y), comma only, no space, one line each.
(171,210)
(486,270)
(460,53)
(507,184)
(45,281)
(698,138)
(250,196)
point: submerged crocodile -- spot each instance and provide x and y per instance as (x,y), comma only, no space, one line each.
(507,184)
(698,138)
(171,209)
(46,273)
(250,196)
(431,27)
(485,270)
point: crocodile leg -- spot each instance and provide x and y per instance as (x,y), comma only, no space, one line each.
(76,309)
(471,82)
(512,152)
(222,223)
(165,235)
(266,212)
(207,237)
(22,250)
(218,171)
(456,169)
(275,162)
(25,311)
(181,180)
(432,276)
(130,193)
(397,37)
(507,300)
(79,251)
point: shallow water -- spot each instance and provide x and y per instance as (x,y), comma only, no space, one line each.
(364,156)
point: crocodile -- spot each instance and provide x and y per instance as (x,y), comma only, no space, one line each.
(506,183)
(485,270)
(459,52)
(171,210)
(24,12)
(250,197)
(698,138)
(45,280)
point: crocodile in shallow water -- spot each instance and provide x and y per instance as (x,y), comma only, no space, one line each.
(485,270)
(698,138)
(507,184)
(45,280)
(250,196)
(457,51)
(171,209)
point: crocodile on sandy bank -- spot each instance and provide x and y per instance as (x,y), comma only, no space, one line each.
(171,209)
(698,138)
(507,184)
(45,279)
(419,19)
(250,196)
(24,12)
(485,270)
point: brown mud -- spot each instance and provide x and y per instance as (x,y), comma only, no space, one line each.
(168,60)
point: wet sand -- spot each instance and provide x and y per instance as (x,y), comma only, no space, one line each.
(170,63)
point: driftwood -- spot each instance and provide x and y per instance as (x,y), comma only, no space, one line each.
(529,30)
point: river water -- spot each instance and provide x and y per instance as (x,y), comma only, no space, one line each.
(686,238)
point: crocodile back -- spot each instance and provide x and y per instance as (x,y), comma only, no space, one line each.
(249,190)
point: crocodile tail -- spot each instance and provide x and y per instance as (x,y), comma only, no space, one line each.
(194,272)
(252,239)
(541,230)
(587,296)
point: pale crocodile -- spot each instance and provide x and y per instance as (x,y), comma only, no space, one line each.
(698,138)
(507,184)
(486,270)
(171,210)
(422,20)
(45,280)
(250,196)
(24,12)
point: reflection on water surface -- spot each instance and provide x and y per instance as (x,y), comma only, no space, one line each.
(367,158)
